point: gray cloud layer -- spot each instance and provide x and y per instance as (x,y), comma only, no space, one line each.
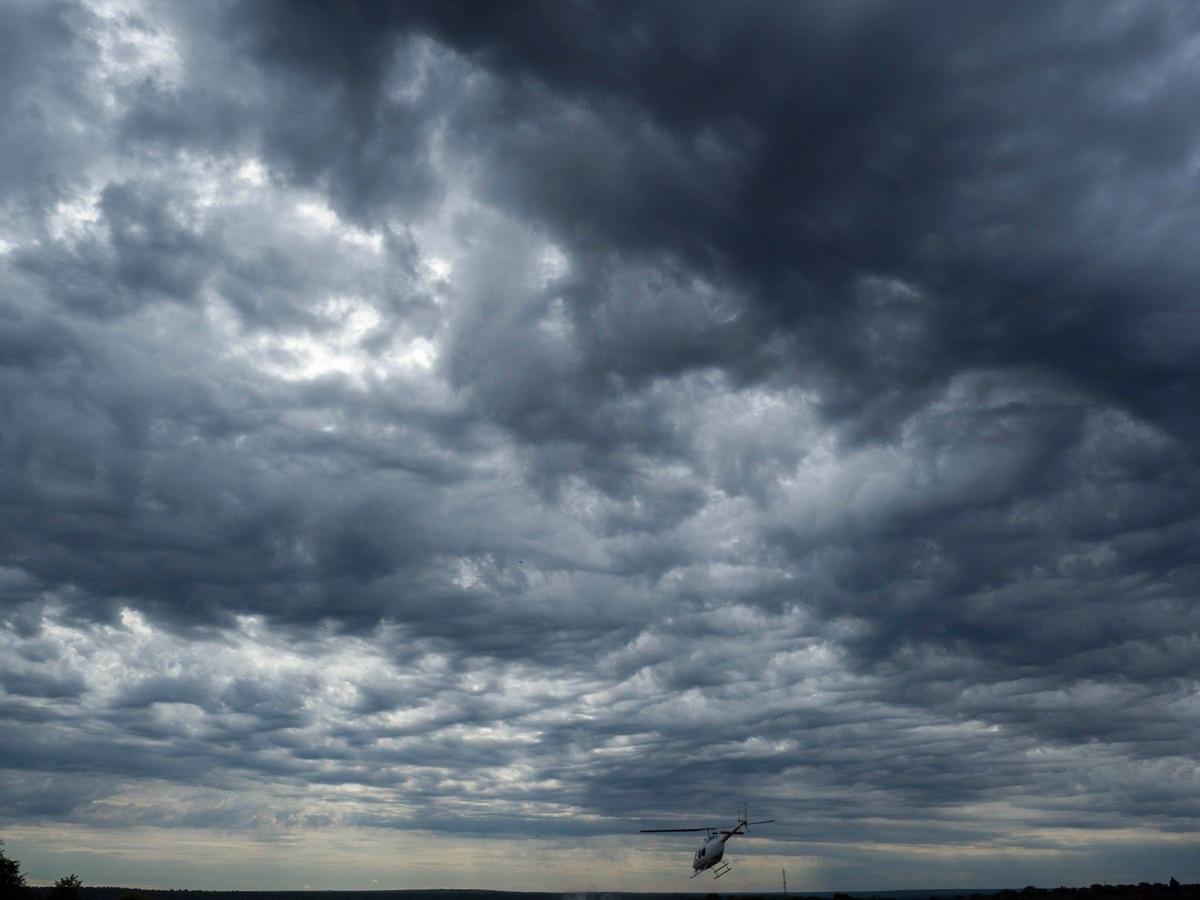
(563,414)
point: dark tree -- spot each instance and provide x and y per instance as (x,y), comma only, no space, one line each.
(11,878)
(66,888)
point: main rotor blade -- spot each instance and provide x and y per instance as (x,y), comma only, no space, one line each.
(665,830)
(760,822)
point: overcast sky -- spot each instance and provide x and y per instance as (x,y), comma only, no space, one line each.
(437,441)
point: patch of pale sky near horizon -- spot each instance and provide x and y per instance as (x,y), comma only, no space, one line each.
(355,859)
(377,859)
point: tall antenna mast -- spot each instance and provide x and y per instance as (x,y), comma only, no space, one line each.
(784,883)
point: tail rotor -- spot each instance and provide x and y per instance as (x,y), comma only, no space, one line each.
(745,819)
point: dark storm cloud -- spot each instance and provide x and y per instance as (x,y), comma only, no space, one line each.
(146,256)
(936,151)
(45,49)
(322,96)
(794,398)
(1002,164)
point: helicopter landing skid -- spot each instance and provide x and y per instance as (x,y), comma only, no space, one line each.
(720,869)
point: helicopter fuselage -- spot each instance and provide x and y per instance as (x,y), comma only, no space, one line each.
(710,852)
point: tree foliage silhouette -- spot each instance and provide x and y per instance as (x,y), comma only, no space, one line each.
(66,888)
(11,878)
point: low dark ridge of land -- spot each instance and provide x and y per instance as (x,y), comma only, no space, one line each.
(1142,891)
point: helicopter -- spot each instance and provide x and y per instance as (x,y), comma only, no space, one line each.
(712,851)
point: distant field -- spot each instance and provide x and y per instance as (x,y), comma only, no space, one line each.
(1143,891)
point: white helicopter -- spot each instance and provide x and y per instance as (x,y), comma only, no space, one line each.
(712,851)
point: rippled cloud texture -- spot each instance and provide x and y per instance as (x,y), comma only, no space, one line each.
(438,440)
